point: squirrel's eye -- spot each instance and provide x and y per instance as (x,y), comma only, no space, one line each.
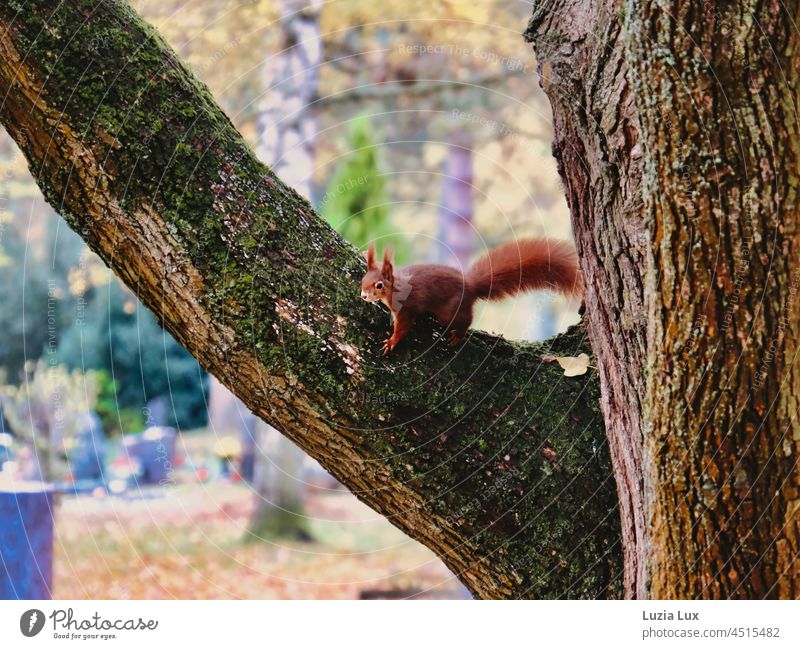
(379,285)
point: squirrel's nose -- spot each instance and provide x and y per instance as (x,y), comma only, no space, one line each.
(364,295)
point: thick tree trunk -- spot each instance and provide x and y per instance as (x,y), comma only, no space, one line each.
(582,66)
(491,458)
(676,136)
(722,145)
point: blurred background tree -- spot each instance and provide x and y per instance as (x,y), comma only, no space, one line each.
(140,361)
(287,140)
(355,201)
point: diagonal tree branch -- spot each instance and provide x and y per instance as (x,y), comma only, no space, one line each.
(485,454)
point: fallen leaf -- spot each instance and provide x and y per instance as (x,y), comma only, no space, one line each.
(574,365)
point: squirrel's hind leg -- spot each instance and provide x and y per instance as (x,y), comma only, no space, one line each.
(458,326)
(456,337)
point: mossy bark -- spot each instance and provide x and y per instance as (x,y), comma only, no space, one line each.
(486,454)
(583,69)
(677,138)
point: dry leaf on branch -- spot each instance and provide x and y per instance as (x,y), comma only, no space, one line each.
(572,365)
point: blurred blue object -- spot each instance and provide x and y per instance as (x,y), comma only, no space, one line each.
(26,540)
(76,487)
(87,458)
(158,411)
(6,453)
(154,451)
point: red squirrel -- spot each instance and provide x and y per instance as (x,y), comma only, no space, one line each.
(449,295)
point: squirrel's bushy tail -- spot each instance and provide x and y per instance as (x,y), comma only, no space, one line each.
(526,265)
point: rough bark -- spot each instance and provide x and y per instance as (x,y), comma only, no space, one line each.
(582,67)
(491,458)
(717,97)
(676,135)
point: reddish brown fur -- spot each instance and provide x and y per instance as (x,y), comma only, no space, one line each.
(526,265)
(516,267)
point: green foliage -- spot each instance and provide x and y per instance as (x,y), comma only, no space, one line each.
(56,311)
(23,337)
(115,420)
(355,202)
(140,361)
(30,292)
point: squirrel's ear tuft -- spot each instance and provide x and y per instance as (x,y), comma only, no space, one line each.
(371,265)
(387,270)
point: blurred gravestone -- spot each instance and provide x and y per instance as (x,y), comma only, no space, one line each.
(228,416)
(4,428)
(26,540)
(5,448)
(87,457)
(6,440)
(157,411)
(154,451)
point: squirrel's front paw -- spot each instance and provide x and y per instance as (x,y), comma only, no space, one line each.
(388,345)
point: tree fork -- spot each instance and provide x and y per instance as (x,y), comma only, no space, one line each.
(484,453)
